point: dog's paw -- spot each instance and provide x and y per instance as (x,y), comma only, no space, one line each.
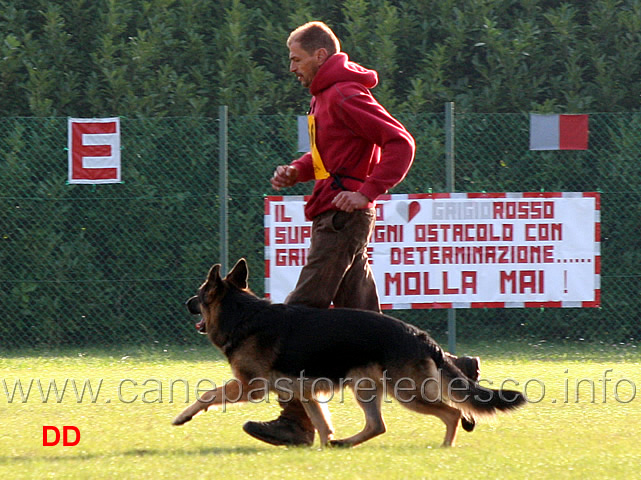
(181,420)
(340,444)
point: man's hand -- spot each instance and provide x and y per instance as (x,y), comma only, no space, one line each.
(350,201)
(284,176)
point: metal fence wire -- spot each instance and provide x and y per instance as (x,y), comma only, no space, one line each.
(113,264)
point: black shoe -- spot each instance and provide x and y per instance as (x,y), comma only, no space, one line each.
(470,366)
(282,431)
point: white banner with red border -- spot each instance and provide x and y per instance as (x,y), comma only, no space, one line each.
(460,250)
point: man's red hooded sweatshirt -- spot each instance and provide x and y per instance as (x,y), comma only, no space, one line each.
(361,145)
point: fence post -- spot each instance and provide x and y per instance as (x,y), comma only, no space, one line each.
(449,186)
(223,188)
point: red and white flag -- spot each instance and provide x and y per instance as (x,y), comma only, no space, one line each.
(558,132)
(94,150)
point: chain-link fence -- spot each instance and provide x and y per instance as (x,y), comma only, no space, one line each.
(110,264)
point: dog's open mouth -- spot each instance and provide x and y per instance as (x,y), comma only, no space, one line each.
(201,326)
(193,305)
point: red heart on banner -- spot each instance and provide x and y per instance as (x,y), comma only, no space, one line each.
(413,210)
(408,211)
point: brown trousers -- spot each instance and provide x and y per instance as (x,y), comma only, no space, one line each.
(337,269)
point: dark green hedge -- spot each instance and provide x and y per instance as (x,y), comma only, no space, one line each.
(157,58)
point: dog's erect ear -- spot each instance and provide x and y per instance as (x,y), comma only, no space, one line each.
(239,274)
(213,277)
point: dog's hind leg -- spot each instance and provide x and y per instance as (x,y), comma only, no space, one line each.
(449,415)
(374,424)
(319,415)
(233,391)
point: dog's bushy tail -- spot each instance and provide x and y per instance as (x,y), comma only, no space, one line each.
(474,399)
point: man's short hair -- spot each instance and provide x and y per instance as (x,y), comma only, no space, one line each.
(314,35)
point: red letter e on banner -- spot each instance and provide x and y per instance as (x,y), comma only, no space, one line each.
(94,150)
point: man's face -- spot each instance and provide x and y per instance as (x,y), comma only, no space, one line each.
(304,65)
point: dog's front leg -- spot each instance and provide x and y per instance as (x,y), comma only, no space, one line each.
(318,413)
(233,391)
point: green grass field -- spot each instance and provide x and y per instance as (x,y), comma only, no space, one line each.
(577,424)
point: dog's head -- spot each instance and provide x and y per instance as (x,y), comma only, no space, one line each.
(207,300)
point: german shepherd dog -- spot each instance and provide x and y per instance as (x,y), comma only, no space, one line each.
(309,353)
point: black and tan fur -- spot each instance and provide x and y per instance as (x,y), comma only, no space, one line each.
(288,347)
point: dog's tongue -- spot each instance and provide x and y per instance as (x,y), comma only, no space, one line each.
(200,325)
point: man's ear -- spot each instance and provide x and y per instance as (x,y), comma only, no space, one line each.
(239,274)
(321,55)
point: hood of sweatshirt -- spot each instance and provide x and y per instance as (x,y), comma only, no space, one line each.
(339,68)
